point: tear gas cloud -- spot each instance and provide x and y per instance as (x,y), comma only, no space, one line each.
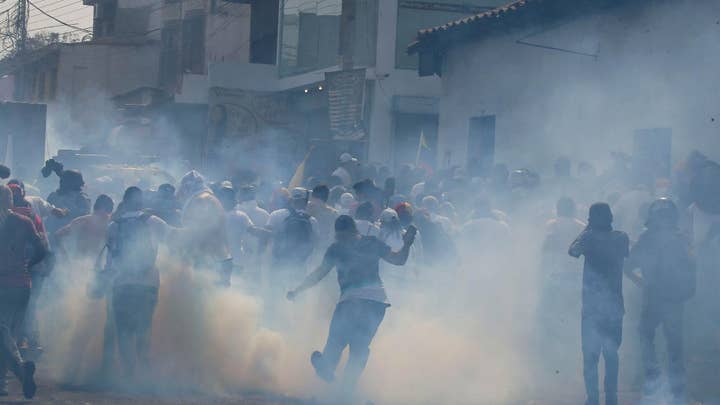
(471,331)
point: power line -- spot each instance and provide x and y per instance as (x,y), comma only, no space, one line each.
(46,28)
(65,6)
(70,12)
(55,19)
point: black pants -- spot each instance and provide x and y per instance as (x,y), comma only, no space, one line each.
(670,317)
(601,334)
(133,307)
(13,305)
(354,323)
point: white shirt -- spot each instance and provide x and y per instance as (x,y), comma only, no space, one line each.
(343,175)
(445,222)
(238,223)
(367,228)
(41,207)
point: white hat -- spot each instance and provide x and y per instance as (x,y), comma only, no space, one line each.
(346,158)
(346,200)
(388,215)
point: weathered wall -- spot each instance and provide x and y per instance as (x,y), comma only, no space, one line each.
(656,66)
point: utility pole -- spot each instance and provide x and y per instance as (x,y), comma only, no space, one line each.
(347,34)
(21,26)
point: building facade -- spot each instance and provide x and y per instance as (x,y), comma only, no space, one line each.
(536,79)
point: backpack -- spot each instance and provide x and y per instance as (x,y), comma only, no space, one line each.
(294,242)
(134,251)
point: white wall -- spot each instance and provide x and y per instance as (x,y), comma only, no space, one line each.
(88,76)
(391,82)
(657,66)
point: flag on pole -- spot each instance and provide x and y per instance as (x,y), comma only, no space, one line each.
(422,144)
(299,176)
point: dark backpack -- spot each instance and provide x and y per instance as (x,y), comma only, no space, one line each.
(134,251)
(294,242)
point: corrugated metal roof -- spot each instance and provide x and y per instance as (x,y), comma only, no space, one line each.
(496,13)
(497,17)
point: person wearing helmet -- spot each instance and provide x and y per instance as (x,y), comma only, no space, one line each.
(603,306)
(663,256)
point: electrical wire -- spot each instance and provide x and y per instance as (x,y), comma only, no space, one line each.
(55,19)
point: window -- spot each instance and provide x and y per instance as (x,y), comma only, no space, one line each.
(264,32)
(170,55)
(414,15)
(193,44)
(310,34)
(481,145)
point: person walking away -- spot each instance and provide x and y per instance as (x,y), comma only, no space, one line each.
(132,245)
(363,220)
(603,307)
(19,237)
(294,234)
(363,300)
(667,279)
(324,214)
(84,239)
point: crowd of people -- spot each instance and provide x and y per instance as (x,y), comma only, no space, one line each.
(361,219)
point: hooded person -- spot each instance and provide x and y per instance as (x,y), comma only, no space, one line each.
(605,250)
(21,249)
(203,216)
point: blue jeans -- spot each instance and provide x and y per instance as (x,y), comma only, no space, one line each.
(354,323)
(601,334)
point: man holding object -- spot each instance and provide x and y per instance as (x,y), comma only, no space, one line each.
(363,301)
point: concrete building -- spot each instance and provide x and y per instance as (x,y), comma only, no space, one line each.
(397,107)
(534,79)
(134,45)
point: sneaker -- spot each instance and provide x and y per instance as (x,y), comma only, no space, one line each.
(320,368)
(28,381)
